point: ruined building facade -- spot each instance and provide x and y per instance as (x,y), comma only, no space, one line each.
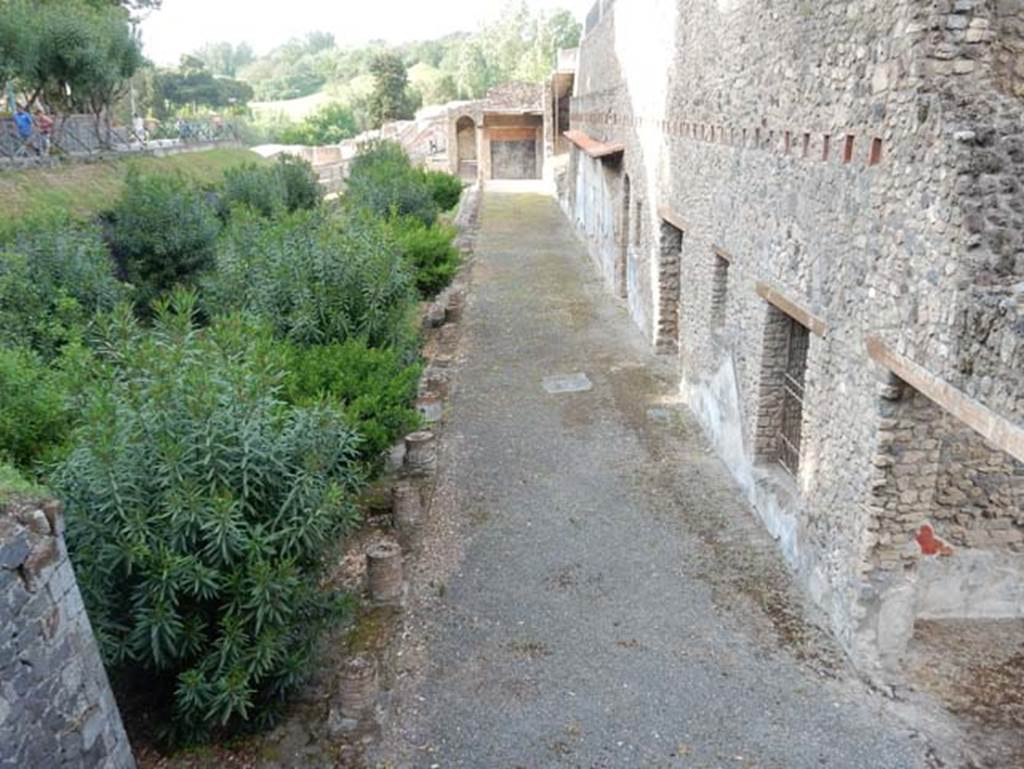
(816,207)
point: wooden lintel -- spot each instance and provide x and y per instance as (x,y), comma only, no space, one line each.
(722,253)
(999,431)
(816,325)
(672,218)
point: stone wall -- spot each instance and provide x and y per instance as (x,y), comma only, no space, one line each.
(56,707)
(941,486)
(855,163)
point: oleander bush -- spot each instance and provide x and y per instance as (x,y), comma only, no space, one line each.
(200,509)
(289,184)
(163,233)
(316,278)
(382,181)
(34,407)
(428,251)
(55,275)
(374,388)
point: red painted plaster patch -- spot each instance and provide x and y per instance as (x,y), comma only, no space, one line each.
(931,544)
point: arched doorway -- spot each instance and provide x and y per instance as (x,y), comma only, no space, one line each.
(465,135)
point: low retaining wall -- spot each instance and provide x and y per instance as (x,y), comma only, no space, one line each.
(56,706)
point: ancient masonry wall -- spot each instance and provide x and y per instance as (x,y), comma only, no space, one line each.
(856,164)
(56,706)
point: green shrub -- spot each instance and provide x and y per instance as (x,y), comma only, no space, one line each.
(254,186)
(445,189)
(163,233)
(429,253)
(34,410)
(330,124)
(200,510)
(289,184)
(382,180)
(316,279)
(55,275)
(301,183)
(376,388)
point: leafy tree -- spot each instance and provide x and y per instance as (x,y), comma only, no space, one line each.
(475,74)
(76,55)
(193,84)
(332,123)
(391,98)
(225,59)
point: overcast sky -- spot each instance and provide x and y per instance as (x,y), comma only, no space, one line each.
(184,25)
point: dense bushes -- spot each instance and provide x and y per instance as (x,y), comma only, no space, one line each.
(54,276)
(163,233)
(290,184)
(384,182)
(428,252)
(317,279)
(375,388)
(206,470)
(445,189)
(381,180)
(34,414)
(200,508)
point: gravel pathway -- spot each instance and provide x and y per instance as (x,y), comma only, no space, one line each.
(607,599)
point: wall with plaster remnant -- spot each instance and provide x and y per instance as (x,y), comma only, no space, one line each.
(56,706)
(863,161)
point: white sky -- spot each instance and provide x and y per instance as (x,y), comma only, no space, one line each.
(184,25)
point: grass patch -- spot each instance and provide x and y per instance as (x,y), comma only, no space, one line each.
(86,189)
(13,485)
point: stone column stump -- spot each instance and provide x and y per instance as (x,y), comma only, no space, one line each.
(384,572)
(420,453)
(357,691)
(408,508)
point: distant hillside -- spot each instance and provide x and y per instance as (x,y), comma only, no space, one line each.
(521,45)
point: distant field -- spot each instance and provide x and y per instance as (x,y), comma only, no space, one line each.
(293,109)
(88,188)
(297,109)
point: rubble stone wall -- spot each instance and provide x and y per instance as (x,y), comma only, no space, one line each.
(863,161)
(56,706)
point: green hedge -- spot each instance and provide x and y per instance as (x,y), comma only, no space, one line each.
(429,253)
(375,388)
